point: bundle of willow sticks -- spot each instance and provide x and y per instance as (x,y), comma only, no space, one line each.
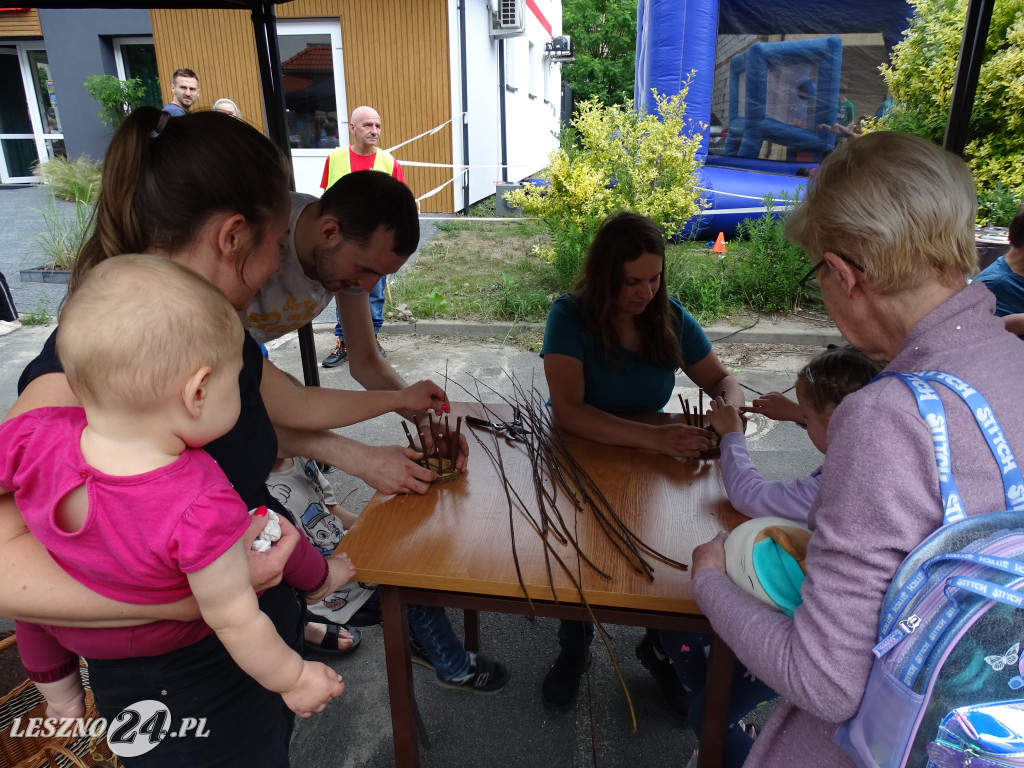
(556,472)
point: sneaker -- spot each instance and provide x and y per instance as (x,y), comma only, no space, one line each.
(381,350)
(485,676)
(419,655)
(562,682)
(337,357)
(10,326)
(665,676)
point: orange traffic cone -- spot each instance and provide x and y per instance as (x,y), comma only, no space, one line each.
(719,246)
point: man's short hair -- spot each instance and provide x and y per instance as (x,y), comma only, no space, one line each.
(137,325)
(1017,229)
(896,204)
(365,201)
(184,73)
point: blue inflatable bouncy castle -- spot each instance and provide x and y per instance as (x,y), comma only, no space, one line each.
(774,85)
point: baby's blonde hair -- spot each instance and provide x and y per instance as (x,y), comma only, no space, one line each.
(136,325)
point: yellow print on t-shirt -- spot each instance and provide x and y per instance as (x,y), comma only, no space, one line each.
(295,313)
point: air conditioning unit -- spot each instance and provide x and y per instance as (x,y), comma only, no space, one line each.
(560,48)
(506,18)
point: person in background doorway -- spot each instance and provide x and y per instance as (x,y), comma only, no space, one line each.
(184,92)
(362,154)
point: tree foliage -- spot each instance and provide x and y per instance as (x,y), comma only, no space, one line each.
(118,98)
(921,77)
(603,35)
(614,158)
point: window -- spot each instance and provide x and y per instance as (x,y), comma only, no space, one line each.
(314,84)
(533,71)
(136,57)
(511,76)
(30,127)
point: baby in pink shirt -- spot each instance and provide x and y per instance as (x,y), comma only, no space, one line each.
(121,494)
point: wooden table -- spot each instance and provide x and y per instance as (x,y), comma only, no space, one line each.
(453,547)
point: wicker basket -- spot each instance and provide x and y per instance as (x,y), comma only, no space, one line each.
(25,701)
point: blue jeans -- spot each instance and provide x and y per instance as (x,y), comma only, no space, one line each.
(690,662)
(429,626)
(376,310)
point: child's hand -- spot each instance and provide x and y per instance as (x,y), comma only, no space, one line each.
(725,418)
(776,406)
(317,685)
(340,572)
(425,396)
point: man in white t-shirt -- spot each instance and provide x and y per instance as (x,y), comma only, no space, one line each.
(365,225)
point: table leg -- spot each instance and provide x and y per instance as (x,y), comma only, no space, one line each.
(400,688)
(471,629)
(721,665)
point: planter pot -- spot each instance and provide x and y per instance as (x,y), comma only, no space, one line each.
(43,275)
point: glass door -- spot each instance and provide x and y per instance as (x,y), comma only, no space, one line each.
(30,127)
(313,75)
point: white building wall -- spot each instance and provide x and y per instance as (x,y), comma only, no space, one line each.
(531,105)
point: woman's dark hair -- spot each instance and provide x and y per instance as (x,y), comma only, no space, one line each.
(164,177)
(834,374)
(624,237)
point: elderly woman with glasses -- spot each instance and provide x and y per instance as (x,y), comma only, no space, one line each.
(889,225)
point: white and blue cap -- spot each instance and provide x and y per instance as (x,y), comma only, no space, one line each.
(765,557)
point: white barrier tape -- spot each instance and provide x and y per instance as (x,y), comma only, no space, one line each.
(458,165)
(434,191)
(762,209)
(477,218)
(425,133)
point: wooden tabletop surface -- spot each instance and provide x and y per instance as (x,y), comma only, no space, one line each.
(457,536)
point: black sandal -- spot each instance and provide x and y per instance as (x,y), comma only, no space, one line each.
(329,643)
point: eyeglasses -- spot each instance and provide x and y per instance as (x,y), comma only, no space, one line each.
(811,272)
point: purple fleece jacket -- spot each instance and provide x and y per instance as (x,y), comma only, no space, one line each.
(878,499)
(754,496)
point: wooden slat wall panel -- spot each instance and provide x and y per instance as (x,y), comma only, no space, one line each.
(396,61)
(20,24)
(218,46)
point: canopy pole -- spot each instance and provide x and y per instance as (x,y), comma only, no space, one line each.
(268,53)
(968,69)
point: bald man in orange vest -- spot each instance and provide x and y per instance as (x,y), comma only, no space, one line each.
(362,154)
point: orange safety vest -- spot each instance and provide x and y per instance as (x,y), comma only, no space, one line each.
(339,164)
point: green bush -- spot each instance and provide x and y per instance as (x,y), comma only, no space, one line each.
(75,181)
(921,77)
(997,206)
(766,277)
(697,279)
(612,159)
(118,98)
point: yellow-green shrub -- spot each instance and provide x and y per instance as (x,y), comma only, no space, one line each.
(921,76)
(613,158)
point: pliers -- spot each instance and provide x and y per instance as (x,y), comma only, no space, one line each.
(513,430)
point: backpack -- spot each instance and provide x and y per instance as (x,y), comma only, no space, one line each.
(947,684)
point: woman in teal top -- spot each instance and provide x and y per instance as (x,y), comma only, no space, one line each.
(612,346)
(614,343)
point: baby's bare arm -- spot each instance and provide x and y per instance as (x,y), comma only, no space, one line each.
(228,604)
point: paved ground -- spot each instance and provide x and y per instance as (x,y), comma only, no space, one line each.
(513,726)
